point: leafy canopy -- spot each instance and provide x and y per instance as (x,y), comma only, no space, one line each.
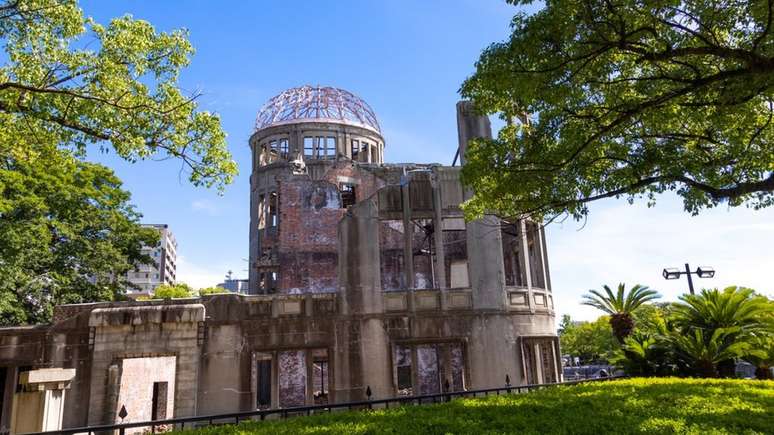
(167,291)
(621,306)
(702,335)
(75,83)
(590,341)
(731,307)
(620,302)
(626,99)
(68,233)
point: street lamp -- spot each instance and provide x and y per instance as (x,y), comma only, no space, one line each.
(701,271)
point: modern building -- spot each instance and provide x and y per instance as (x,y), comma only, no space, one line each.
(362,276)
(163,270)
(235,285)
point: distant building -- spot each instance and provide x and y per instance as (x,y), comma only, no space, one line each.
(235,285)
(163,270)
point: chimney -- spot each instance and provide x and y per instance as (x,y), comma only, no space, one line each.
(469,126)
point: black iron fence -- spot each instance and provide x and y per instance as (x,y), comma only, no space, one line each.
(284,413)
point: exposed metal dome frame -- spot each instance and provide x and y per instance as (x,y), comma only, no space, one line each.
(317,103)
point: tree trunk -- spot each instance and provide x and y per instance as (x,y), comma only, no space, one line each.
(622,324)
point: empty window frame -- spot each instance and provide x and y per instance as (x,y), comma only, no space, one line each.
(268,282)
(455,245)
(428,368)
(320,376)
(364,151)
(284,148)
(513,255)
(391,261)
(159,401)
(539,360)
(423,248)
(348,194)
(273,211)
(263,382)
(309,147)
(327,147)
(535,251)
(403,370)
(355,149)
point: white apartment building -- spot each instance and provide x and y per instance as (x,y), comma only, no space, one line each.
(163,270)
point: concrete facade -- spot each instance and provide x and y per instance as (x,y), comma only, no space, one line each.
(362,274)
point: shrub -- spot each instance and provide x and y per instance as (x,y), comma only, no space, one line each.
(639,405)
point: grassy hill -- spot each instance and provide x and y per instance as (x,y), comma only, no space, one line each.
(657,406)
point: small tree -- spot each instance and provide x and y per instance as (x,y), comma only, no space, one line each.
(737,312)
(702,351)
(591,342)
(166,291)
(620,306)
(212,291)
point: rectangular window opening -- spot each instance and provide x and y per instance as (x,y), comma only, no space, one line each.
(159,401)
(348,196)
(455,245)
(283,148)
(513,255)
(423,245)
(404,376)
(263,383)
(330,148)
(391,261)
(320,376)
(273,203)
(309,147)
(534,249)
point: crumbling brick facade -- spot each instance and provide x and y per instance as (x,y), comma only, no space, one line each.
(362,274)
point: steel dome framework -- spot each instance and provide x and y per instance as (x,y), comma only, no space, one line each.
(316,103)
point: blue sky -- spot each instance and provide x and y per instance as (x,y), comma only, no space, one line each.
(407,59)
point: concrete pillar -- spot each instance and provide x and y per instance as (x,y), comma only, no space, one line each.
(545,257)
(470,126)
(440,249)
(486,263)
(39,406)
(408,231)
(527,266)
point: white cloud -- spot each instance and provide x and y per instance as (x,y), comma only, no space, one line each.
(206,206)
(633,243)
(198,276)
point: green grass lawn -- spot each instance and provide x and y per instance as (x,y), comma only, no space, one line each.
(657,406)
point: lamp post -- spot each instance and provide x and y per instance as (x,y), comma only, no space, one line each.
(701,271)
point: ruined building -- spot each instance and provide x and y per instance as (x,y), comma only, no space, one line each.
(361,274)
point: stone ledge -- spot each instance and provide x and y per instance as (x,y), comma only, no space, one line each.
(138,315)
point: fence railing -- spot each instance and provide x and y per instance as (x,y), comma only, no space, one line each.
(284,413)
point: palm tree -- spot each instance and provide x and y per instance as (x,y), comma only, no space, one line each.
(736,310)
(620,306)
(733,306)
(702,351)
